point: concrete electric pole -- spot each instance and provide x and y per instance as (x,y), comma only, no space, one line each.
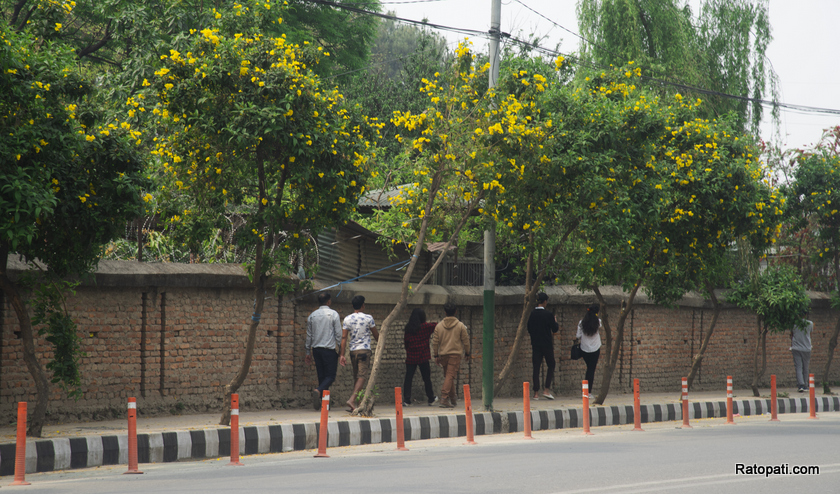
(488,358)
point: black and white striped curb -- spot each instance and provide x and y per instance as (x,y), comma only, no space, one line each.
(82,452)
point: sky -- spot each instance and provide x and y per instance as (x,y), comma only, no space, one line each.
(803,51)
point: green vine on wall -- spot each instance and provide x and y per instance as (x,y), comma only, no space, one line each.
(50,313)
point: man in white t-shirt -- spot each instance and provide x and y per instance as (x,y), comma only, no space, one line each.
(359,327)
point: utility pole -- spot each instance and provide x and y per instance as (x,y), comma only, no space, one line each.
(488,342)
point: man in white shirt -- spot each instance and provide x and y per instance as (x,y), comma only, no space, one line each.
(359,327)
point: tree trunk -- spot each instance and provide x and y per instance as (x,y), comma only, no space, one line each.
(528,300)
(612,352)
(832,344)
(531,287)
(259,302)
(259,295)
(760,345)
(698,359)
(42,385)
(365,408)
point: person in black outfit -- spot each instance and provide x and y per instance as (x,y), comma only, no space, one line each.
(541,325)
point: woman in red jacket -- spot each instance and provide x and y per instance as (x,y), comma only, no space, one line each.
(417,354)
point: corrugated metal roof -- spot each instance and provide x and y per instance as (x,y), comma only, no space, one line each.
(351,251)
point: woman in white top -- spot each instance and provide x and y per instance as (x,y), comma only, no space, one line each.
(590,341)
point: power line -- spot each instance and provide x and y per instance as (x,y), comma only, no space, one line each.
(382,62)
(483,34)
(469,32)
(410,1)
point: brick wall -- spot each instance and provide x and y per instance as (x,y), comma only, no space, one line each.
(173,340)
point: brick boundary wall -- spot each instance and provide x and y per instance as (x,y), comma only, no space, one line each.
(172,335)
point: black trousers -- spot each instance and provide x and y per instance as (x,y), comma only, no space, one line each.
(591,360)
(426,372)
(326,364)
(538,354)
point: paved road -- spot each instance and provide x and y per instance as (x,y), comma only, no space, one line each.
(615,459)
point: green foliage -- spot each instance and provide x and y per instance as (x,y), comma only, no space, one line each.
(345,35)
(467,147)
(49,311)
(813,199)
(245,127)
(723,49)
(69,178)
(402,56)
(399,51)
(667,190)
(777,296)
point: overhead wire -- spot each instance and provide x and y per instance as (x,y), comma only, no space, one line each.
(578,60)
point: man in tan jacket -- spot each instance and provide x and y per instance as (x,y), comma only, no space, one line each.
(450,342)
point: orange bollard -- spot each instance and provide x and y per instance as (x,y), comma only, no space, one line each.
(526,408)
(234,430)
(132,436)
(468,409)
(637,407)
(585,411)
(729,400)
(774,405)
(685,403)
(813,397)
(20,447)
(400,425)
(322,432)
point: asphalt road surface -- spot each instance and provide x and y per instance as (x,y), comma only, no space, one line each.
(664,458)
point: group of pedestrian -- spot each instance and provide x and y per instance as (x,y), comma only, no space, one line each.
(448,340)
(541,327)
(325,334)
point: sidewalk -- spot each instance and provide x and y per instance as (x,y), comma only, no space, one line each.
(180,437)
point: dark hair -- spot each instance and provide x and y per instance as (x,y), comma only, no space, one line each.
(323,298)
(590,322)
(358,301)
(449,308)
(542,297)
(417,317)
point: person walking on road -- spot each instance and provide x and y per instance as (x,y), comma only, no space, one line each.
(323,333)
(359,327)
(417,354)
(450,342)
(800,347)
(590,341)
(541,326)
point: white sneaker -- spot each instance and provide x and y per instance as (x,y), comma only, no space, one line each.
(548,396)
(432,403)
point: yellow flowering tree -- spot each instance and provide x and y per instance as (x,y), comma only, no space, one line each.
(445,189)
(814,216)
(675,191)
(477,155)
(69,180)
(244,125)
(526,188)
